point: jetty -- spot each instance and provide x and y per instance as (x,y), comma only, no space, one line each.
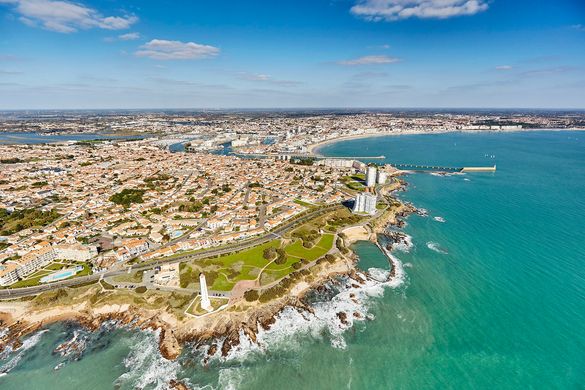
(436,168)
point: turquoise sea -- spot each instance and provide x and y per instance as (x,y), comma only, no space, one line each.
(493,298)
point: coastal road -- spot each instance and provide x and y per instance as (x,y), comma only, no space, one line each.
(203,254)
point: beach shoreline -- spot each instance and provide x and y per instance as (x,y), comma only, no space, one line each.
(317,146)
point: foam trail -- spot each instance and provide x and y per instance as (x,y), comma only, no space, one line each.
(436,247)
(146,366)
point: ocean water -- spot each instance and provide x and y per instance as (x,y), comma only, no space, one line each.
(493,297)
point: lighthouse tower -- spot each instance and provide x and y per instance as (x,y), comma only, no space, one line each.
(205,304)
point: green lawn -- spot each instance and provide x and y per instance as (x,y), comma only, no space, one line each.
(296,252)
(297,249)
(134,277)
(246,265)
(304,204)
(234,267)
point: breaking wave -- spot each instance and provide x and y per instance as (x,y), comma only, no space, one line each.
(146,367)
(20,351)
(436,247)
(328,318)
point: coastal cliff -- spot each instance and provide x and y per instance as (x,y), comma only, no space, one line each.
(91,306)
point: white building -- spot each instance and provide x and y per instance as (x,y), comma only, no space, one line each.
(365,203)
(371,176)
(382,177)
(8,274)
(205,303)
(38,258)
(75,252)
(336,163)
(136,246)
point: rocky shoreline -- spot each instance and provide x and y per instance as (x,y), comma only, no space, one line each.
(218,333)
(173,333)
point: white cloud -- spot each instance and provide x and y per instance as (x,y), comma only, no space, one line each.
(390,10)
(66,17)
(129,36)
(254,76)
(504,67)
(267,79)
(370,60)
(160,49)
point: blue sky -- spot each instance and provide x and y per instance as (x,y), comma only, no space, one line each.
(336,53)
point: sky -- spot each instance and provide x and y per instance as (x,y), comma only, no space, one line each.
(88,54)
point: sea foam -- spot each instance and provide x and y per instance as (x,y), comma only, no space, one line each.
(146,367)
(436,247)
(19,352)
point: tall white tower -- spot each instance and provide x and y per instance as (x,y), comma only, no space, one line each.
(205,304)
(371,177)
(382,177)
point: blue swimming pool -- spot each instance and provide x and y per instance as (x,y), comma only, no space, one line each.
(60,275)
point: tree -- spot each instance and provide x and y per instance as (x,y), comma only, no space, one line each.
(281,258)
(269,253)
(128,196)
(329,258)
(251,295)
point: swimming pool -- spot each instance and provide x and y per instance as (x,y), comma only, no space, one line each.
(60,275)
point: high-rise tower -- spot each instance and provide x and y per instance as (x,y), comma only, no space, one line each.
(371,177)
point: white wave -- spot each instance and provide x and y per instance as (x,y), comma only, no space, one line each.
(146,366)
(378,274)
(447,173)
(399,274)
(439,219)
(436,247)
(20,351)
(404,245)
(292,324)
(350,370)
(466,179)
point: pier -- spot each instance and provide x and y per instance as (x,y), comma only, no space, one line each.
(436,168)
(403,167)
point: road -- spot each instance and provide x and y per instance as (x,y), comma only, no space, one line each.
(205,253)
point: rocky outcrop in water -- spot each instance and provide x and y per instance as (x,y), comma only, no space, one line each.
(177,385)
(169,345)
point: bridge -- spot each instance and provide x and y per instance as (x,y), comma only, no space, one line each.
(436,168)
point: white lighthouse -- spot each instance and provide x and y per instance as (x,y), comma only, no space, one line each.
(205,304)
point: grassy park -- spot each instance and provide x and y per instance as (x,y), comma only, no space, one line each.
(223,272)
